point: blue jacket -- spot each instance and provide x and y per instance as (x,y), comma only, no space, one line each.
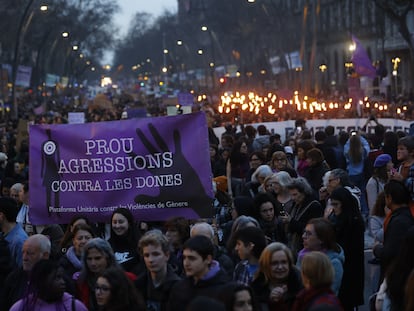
(356,168)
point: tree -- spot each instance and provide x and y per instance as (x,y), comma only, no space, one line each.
(399,12)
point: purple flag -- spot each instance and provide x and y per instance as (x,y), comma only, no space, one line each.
(362,64)
(155,167)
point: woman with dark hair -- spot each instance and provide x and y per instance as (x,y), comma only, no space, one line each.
(305,208)
(256,159)
(67,238)
(46,290)
(239,298)
(237,168)
(349,228)
(278,280)
(218,165)
(317,167)
(319,235)
(124,238)
(302,148)
(71,261)
(266,213)
(115,292)
(97,256)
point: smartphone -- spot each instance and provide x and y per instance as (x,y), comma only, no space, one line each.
(282,213)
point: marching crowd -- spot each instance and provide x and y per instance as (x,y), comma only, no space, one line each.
(287,233)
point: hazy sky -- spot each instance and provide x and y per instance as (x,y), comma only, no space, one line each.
(130,7)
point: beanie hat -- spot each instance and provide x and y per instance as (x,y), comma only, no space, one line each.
(382,160)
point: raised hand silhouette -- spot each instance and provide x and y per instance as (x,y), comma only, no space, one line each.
(189,191)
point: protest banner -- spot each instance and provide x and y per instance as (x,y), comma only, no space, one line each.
(156,167)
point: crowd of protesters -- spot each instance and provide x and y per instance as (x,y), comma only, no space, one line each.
(287,233)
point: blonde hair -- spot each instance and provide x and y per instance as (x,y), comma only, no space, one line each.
(318,269)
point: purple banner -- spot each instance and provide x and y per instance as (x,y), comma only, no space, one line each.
(156,167)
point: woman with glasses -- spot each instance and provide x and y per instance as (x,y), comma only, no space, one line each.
(114,291)
(279,162)
(256,159)
(278,280)
(319,235)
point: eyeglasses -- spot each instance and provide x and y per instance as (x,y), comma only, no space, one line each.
(307,233)
(103,289)
(329,180)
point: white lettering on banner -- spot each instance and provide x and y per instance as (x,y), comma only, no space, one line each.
(76,185)
(113,146)
(176,204)
(159,181)
(117,164)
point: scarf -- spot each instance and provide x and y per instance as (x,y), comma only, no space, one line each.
(74,260)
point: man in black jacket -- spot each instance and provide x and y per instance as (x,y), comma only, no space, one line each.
(204,277)
(396,225)
(156,283)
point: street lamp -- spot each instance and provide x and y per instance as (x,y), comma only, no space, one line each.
(204,28)
(200,52)
(395,61)
(179,42)
(65,34)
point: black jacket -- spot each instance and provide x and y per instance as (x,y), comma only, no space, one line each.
(261,290)
(186,290)
(156,298)
(14,288)
(401,220)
